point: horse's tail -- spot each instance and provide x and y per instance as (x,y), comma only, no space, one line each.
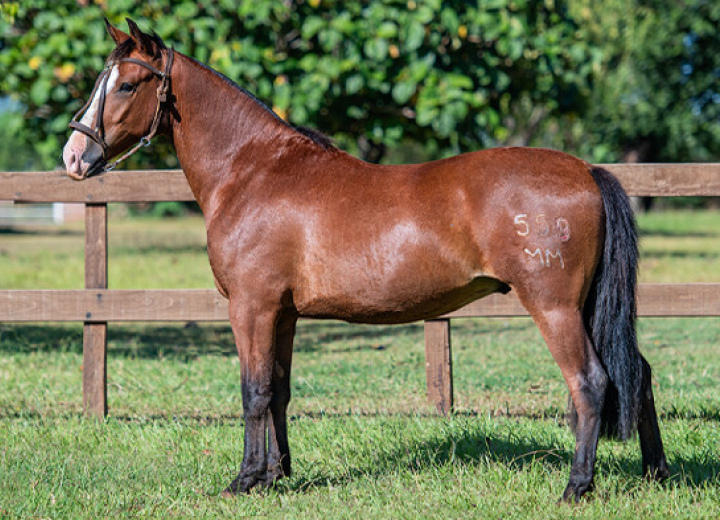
(611,310)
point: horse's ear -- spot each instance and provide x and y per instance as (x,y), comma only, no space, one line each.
(142,40)
(116,34)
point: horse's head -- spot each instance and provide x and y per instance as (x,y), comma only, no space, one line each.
(127,106)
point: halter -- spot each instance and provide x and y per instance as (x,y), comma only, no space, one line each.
(97,132)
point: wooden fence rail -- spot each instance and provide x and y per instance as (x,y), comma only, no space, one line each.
(96,305)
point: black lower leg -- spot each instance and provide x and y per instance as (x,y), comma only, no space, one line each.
(278,464)
(653,454)
(254,466)
(589,404)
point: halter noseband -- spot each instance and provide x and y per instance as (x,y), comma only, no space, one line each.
(97,132)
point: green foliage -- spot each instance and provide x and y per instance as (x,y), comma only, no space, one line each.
(655,97)
(16,154)
(168,209)
(446,74)
(595,78)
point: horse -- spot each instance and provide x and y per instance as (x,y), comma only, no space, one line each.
(297,228)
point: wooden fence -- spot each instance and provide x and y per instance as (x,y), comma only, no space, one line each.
(96,305)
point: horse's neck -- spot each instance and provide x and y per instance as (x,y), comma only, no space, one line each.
(217,128)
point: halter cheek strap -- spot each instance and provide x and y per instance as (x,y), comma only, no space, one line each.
(97,132)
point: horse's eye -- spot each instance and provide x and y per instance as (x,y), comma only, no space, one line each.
(126,87)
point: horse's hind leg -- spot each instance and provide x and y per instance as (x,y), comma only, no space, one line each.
(278,464)
(653,455)
(567,339)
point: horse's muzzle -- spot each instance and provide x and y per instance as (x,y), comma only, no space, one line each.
(82,162)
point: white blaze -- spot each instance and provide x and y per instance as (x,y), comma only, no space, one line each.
(88,118)
(77,143)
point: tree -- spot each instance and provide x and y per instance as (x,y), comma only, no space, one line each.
(655,96)
(449,75)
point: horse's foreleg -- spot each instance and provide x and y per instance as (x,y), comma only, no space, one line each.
(254,331)
(278,464)
(653,455)
(572,349)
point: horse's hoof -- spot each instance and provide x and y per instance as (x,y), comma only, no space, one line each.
(233,489)
(242,485)
(228,493)
(575,491)
(274,473)
(658,474)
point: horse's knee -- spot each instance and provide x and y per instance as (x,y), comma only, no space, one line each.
(255,404)
(591,387)
(597,380)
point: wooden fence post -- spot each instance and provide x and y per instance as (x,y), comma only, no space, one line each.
(438,365)
(95,333)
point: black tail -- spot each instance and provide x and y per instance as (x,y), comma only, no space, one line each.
(611,310)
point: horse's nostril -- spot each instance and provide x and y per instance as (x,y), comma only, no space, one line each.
(72,160)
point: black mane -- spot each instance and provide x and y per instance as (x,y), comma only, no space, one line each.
(317,137)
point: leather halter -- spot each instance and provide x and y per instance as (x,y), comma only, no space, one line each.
(97,132)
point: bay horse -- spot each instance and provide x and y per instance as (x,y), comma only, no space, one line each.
(297,228)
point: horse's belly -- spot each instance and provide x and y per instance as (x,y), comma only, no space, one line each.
(397,304)
(408,271)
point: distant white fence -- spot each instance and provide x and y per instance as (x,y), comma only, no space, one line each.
(56,213)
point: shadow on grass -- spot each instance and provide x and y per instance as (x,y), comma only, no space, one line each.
(666,233)
(470,448)
(315,334)
(467,448)
(9,230)
(158,249)
(703,413)
(680,254)
(188,342)
(148,342)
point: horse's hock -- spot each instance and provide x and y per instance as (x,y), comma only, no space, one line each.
(96,306)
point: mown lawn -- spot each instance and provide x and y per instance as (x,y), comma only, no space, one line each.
(364,440)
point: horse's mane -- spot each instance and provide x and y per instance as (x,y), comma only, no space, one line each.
(317,137)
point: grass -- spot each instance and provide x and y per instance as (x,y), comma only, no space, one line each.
(680,246)
(364,441)
(152,254)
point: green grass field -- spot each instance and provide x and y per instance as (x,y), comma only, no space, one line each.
(364,440)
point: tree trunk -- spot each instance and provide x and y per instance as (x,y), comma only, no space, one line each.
(640,152)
